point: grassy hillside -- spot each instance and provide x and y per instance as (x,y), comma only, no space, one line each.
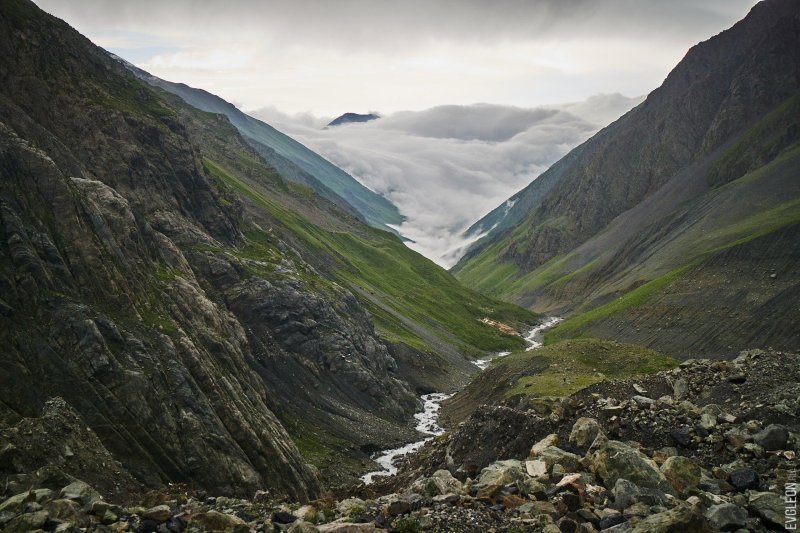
(555,370)
(291,159)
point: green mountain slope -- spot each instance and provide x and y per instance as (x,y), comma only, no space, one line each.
(210,321)
(704,169)
(293,161)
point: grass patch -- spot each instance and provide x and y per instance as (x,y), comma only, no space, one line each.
(575,364)
(555,370)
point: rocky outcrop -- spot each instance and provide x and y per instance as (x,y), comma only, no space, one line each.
(644,485)
(127,290)
(663,467)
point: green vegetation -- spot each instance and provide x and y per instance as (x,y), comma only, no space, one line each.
(555,370)
(407,524)
(380,268)
(630,299)
(575,364)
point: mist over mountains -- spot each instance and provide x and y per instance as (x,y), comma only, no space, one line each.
(447,166)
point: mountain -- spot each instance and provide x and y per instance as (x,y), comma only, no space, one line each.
(291,159)
(348,118)
(169,299)
(676,227)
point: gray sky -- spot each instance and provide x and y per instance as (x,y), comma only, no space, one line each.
(332,56)
(426,65)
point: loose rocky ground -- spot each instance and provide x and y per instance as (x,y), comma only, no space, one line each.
(707,446)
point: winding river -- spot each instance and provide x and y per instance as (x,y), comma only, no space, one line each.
(428,419)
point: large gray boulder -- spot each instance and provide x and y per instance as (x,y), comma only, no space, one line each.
(616,460)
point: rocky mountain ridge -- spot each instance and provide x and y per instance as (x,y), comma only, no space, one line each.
(690,197)
(209,321)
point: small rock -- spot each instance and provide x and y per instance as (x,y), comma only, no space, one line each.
(681,436)
(27,522)
(611,521)
(681,472)
(769,506)
(536,449)
(159,513)
(744,478)
(584,432)
(772,437)
(216,521)
(303,527)
(727,517)
(283,517)
(643,401)
(536,468)
(680,389)
(80,492)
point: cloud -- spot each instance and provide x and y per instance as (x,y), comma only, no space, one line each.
(447,166)
(328,57)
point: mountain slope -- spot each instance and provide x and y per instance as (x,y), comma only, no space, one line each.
(294,161)
(704,168)
(209,321)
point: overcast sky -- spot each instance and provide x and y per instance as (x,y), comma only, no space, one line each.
(472,92)
(328,57)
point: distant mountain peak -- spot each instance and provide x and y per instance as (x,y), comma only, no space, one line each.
(352,117)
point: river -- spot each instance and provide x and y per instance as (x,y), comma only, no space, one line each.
(428,419)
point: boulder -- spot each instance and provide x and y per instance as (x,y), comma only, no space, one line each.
(615,460)
(584,431)
(216,521)
(345,527)
(441,482)
(681,472)
(680,389)
(346,507)
(770,506)
(727,517)
(536,449)
(158,514)
(536,468)
(27,522)
(744,478)
(627,493)
(683,518)
(772,437)
(553,456)
(80,492)
(502,473)
(303,527)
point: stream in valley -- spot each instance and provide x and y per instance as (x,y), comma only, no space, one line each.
(428,419)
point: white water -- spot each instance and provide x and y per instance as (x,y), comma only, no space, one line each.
(427,423)
(483,363)
(533,338)
(428,418)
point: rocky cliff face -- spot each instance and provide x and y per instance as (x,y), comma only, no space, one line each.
(100,307)
(719,88)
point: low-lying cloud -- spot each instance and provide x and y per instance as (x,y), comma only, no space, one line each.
(448,166)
